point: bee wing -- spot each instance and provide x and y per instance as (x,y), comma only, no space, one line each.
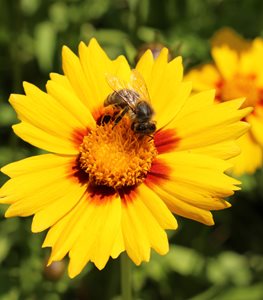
(139,85)
(123,89)
(115,82)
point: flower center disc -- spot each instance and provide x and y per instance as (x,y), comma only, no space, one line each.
(116,156)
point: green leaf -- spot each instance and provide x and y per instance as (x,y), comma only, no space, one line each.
(229,267)
(45,39)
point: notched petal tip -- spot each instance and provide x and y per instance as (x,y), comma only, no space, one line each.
(211,93)
(238,102)
(28,86)
(165,52)
(36,225)
(82,44)
(4,170)
(147,55)
(82,48)
(11,212)
(12,98)
(67,55)
(227,204)
(206,219)
(16,127)
(100,265)
(163,56)
(50,261)
(248,110)
(178,58)
(210,222)
(94,43)
(65,48)
(227,37)
(73,271)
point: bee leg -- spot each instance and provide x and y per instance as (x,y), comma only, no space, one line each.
(120,115)
(105,119)
(109,112)
(151,137)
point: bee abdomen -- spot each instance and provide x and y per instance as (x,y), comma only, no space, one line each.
(111,99)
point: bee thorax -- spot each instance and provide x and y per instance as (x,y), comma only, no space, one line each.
(143,111)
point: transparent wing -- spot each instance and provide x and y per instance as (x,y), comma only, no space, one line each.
(115,82)
(123,89)
(139,85)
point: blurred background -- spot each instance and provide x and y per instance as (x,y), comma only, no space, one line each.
(223,262)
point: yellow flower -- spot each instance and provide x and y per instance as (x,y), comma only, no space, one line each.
(237,71)
(105,189)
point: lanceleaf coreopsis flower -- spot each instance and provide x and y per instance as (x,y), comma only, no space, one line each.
(237,71)
(106,188)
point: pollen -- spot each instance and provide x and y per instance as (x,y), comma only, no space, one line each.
(115,156)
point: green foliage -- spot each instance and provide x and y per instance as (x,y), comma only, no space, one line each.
(220,263)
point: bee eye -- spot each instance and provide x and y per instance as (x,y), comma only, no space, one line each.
(153,126)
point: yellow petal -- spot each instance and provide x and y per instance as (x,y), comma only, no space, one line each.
(173,99)
(191,193)
(197,102)
(45,140)
(58,208)
(34,164)
(44,114)
(251,60)
(213,115)
(158,74)
(96,241)
(166,91)
(191,184)
(212,136)
(226,61)
(201,171)
(204,77)
(61,237)
(110,225)
(144,66)
(226,46)
(224,150)
(156,235)
(135,236)
(227,36)
(55,179)
(74,72)
(69,100)
(211,125)
(141,231)
(96,65)
(121,68)
(184,209)
(256,122)
(250,157)
(118,245)
(157,208)
(42,110)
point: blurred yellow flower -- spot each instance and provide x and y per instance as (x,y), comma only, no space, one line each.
(104,188)
(237,71)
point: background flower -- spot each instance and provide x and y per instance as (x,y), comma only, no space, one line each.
(236,72)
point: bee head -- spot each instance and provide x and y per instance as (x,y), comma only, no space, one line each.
(143,128)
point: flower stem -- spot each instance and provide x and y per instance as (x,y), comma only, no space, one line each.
(126,282)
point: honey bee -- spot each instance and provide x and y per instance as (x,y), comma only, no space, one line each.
(132,98)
